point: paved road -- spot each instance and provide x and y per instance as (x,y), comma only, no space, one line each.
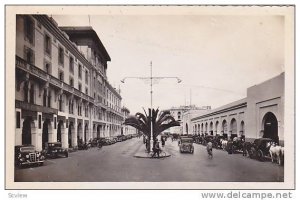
(116,163)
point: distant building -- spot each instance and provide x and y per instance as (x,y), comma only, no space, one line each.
(127,130)
(260,114)
(62,90)
(179,114)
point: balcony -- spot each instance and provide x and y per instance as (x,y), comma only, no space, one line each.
(33,70)
(34,107)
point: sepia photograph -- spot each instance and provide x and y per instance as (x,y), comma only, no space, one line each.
(149,97)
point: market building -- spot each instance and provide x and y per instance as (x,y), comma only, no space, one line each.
(62,89)
(260,114)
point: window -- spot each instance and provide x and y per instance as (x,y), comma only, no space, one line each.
(79,71)
(29,29)
(45,98)
(18,121)
(49,100)
(47,44)
(86,76)
(61,56)
(31,100)
(71,65)
(86,91)
(71,82)
(40,121)
(48,67)
(29,55)
(54,122)
(79,87)
(60,105)
(61,75)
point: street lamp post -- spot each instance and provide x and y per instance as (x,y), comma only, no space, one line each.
(151,78)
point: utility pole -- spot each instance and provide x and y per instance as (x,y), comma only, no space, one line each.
(151,78)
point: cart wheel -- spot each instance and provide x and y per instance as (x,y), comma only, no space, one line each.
(250,153)
(260,155)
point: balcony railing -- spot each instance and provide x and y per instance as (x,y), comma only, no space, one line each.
(34,107)
(23,64)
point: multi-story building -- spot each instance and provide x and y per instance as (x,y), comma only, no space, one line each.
(62,90)
(179,112)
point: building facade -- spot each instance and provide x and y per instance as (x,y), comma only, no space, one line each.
(127,130)
(179,114)
(260,114)
(62,90)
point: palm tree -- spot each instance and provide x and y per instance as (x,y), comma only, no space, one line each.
(160,122)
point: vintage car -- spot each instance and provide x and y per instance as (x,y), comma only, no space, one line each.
(27,155)
(186,145)
(55,150)
(260,148)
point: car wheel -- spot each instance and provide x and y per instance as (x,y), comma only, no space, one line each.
(260,155)
(250,153)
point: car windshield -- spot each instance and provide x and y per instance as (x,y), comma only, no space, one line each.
(54,144)
(27,149)
(190,140)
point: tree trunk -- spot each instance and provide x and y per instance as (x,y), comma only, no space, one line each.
(148,145)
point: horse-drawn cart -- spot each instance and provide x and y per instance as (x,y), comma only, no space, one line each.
(260,148)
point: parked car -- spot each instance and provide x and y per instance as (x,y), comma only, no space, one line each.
(186,145)
(93,142)
(27,155)
(260,148)
(55,150)
(119,138)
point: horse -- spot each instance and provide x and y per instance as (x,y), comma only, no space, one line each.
(276,152)
(224,144)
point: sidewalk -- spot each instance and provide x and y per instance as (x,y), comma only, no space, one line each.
(142,153)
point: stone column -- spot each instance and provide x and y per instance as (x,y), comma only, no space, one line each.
(74,134)
(18,134)
(36,132)
(64,135)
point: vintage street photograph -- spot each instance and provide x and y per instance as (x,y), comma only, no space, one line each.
(147,97)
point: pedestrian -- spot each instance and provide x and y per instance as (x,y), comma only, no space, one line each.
(209,149)
(156,149)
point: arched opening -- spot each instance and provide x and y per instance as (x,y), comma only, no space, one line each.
(202,128)
(198,129)
(270,125)
(206,126)
(211,130)
(233,128)
(98,131)
(86,128)
(27,129)
(79,131)
(45,133)
(94,131)
(217,127)
(70,133)
(186,128)
(60,128)
(242,129)
(224,129)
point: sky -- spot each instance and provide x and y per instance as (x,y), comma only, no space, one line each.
(217,57)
